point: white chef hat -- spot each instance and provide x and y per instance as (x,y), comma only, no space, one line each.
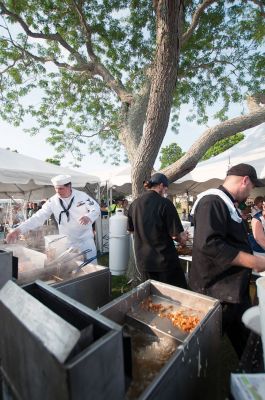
(60,180)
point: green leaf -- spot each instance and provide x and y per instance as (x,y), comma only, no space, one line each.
(222,145)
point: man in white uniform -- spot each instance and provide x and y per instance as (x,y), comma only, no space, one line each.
(74,212)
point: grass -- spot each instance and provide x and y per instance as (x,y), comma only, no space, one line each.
(119,284)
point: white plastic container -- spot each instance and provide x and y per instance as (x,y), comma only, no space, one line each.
(119,243)
(261,295)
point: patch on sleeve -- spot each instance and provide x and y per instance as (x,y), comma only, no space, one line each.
(90,202)
(80,203)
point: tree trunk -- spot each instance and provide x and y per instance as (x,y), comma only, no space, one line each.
(133,121)
(163,81)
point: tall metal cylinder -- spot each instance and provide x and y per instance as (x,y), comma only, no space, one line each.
(119,243)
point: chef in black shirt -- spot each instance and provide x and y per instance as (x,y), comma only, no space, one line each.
(155,223)
(222,259)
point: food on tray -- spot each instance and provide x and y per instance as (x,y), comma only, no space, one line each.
(185,322)
(181,319)
(184,250)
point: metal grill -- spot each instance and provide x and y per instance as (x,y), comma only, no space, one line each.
(191,368)
(52,347)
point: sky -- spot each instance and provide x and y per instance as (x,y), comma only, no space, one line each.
(36,146)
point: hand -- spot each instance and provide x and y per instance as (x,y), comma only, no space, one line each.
(13,236)
(85,220)
(260,264)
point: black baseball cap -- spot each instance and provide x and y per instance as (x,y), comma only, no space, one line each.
(246,170)
(159,178)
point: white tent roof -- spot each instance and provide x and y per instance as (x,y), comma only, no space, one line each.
(119,178)
(20,175)
(212,172)
(116,176)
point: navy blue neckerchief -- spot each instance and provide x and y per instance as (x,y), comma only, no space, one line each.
(65,210)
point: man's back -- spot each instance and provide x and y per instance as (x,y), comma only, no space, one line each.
(154,221)
(217,241)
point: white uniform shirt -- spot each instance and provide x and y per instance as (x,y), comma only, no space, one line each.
(79,236)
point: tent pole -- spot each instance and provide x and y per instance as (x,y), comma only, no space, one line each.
(110,196)
(107,193)
(99,224)
(188,207)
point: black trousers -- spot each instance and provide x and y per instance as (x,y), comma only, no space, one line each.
(233,326)
(174,276)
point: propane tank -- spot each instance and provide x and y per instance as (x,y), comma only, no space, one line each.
(119,243)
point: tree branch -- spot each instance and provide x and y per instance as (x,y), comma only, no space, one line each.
(102,129)
(87,31)
(261,6)
(195,20)
(77,136)
(223,130)
(8,67)
(114,84)
(64,65)
(78,68)
(94,67)
(196,16)
(52,36)
(206,66)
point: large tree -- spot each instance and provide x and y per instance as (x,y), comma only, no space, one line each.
(116,70)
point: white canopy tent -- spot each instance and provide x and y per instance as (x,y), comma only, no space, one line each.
(119,179)
(26,177)
(211,173)
(116,178)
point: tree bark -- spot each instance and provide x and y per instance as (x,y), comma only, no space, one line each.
(164,76)
(133,121)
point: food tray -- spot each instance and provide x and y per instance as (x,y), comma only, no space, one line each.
(159,322)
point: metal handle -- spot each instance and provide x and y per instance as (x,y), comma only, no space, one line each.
(56,239)
(84,264)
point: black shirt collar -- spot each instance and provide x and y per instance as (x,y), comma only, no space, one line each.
(227,193)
